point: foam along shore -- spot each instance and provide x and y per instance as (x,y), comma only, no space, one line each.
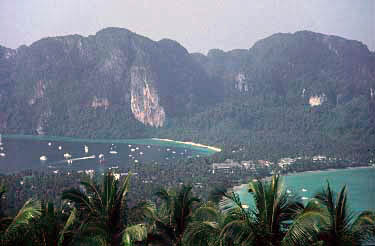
(189,143)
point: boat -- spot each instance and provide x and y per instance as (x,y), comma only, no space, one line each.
(304,190)
(1,139)
(2,154)
(60,148)
(43,158)
(304,198)
(86,149)
(67,155)
(113,152)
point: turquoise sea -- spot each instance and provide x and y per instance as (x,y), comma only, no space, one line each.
(360,183)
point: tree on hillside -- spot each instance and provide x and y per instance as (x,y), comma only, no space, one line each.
(53,227)
(174,215)
(102,209)
(11,229)
(266,223)
(328,221)
(206,226)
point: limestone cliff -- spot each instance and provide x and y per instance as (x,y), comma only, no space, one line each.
(144,98)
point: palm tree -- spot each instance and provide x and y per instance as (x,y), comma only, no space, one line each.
(12,228)
(52,227)
(2,192)
(205,228)
(328,221)
(174,215)
(266,223)
(102,209)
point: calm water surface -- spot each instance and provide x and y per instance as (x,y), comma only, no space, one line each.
(19,152)
(360,183)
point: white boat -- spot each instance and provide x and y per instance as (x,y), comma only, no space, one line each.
(304,190)
(1,139)
(86,149)
(288,191)
(141,153)
(49,143)
(43,158)
(2,154)
(67,155)
(101,156)
(132,150)
(113,152)
(60,148)
(304,198)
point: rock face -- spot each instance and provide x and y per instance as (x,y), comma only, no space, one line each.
(63,82)
(145,99)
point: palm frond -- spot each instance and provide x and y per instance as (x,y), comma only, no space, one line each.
(143,210)
(134,233)
(71,219)
(199,232)
(30,210)
(125,186)
(237,231)
(307,225)
(79,198)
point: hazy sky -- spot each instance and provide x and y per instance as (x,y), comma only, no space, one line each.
(199,25)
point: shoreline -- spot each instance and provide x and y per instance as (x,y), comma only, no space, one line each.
(327,170)
(240,187)
(189,143)
(140,141)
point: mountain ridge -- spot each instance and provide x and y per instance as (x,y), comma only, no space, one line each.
(117,83)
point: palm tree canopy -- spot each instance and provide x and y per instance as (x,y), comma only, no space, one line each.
(175,213)
(103,207)
(30,211)
(266,222)
(327,219)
